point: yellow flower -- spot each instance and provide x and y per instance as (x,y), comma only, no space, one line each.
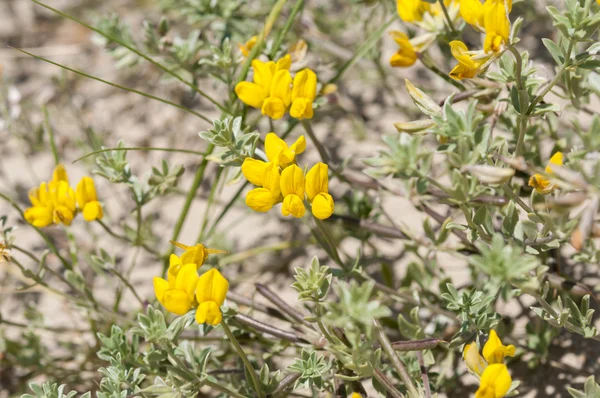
(196,254)
(280,95)
(541,184)
(254,94)
(357,395)
(40,215)
(177,294)
(474,361)
(278,151)
(59,174)
(63,197)
(494,351)
(470,64)
(269,194)
(248,46)
(472,12)
(317,190)
(292,189)
(210,292)
(496,24)
(304,91)
(88,200)
(495,382)
(406,55)
(411,10)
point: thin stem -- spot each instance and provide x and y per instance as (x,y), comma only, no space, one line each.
(129,285)
(522,116)
(400,369)
(515,198)
(286,383)
(288,24)
(385,382)
(448,20)
(539,97)
(188,200)
(183,108)
(315,141)
(428,63)
(223,389)
(48,128)
(139,149)
(137,52)
(236,345)
(424,375)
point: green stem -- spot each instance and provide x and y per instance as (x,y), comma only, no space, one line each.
(236,345)
(129,286)
(450,24)
(49,243)
(391,353)
(522,92)
(539,97)
(137,52)
(116,85)
(223,389)
(189,198)
(48,128)
(315,141)
(428,63)
(363,49)
(211,200)
(288,24)
(139,149)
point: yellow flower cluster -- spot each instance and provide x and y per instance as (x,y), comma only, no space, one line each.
(273,91)
(280,180)
(494,379)
(248,46)
(426,15)
(541,184)
(491,18)
(184,289)
(55,202)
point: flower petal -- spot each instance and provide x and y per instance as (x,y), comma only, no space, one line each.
(317,180)
(273,146)
(260,199)
(254,170)
(209,312)
(251,94)
(212,286)
(323,206)
(293,204)
(292,181)
(92,211)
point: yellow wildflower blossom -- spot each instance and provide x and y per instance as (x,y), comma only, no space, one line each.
(210,293)
(541,184)
(472,12)
(304,92)
(470,63)
(280,95)
(406,55)
(59,174)
(248,46)
(496,24)
(177,294)
(474,361)
(88,200)
(411,10)
(495,382)
(256,92)
(268,194)
(317,190)
(494,351)
(196,254)
(63,197)
(40,215)
(292,189)
(278,151)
